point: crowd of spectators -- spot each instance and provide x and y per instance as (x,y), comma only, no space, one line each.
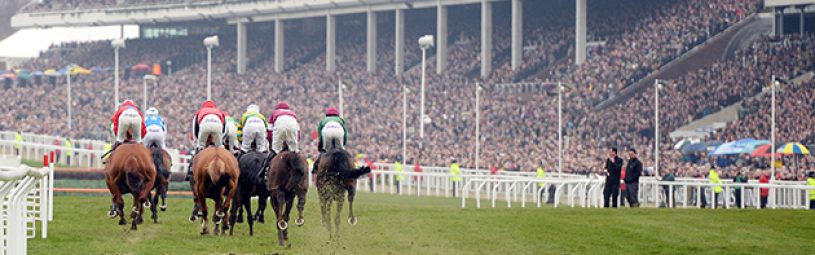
(518,125)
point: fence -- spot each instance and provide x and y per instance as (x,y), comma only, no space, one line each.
(27,198)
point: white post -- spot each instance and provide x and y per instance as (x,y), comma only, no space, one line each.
(421,116)
(404,127)
(339,88)
(144,88)
(116,79)
(209,73)
(772,130)
(70,116)
(559,128)
(477,126)
(656,127)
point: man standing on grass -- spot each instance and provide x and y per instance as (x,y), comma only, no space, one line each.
(740,178)
(811,183)
(632,177)
(764,192)
(614,166)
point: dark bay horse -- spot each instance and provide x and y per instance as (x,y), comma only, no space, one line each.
(215,175)
(250,184)
(287,178)
(130,170)
(163,163)
(335,177)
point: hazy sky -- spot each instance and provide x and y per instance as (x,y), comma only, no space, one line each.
(29,42)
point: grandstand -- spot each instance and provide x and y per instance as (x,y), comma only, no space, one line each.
(298,51)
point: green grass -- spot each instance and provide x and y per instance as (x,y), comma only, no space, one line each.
(410,225)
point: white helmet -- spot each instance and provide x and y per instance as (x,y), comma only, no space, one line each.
(152,111)
(253,109)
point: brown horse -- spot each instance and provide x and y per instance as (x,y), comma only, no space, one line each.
(287,178)
(335,176)
(163,163)
(130,170)
(215,174)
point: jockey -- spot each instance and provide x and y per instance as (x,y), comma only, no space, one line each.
(127,117)
(332,132)
(284,129)
(207,123)
(252,129)
(156,129)
(231,133)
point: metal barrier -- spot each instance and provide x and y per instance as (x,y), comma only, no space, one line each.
(26,198)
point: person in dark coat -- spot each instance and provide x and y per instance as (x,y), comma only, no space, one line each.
(614,166)
(632,177)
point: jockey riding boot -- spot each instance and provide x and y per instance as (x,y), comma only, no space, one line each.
(189,166)
(105,156)
(316,163)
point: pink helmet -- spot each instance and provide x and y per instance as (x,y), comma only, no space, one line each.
(331,111)
(281,105)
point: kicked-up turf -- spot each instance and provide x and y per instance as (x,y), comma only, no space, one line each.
(391,224)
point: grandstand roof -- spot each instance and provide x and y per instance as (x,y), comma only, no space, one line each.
(255,11)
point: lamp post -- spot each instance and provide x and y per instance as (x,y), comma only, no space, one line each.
(560,128)
(210,42)
(144,87)
(116,44)
(425,42)
(477,126)
(657,87)
(404,123)
(340,88)
(773,84)
(70,116)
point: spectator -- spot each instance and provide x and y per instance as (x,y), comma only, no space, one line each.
(668,177)
(765,192)
(740,178)
(612,168)
(713,176)
(455,177)
(632,177)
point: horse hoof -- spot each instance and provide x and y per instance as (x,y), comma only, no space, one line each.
(300,222)
(193,218)
(352,220)
(239,220)
(220,214)
(147,204)
(282,225)
(163,207)
(122,222)
(112,214)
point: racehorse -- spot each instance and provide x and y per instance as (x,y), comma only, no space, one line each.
(287,178)
(129,170)
(250,183)
(215,176)
(163,163)
(335,177)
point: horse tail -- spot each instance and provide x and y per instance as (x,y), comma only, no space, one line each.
(294,163)
(134,179)
(357,173)
(158,160)
(215,169)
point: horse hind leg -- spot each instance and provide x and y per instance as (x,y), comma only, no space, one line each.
(289,204)
(301,205)
(352,192)
(153,209)
(135,213)
(247,204)
(337,216)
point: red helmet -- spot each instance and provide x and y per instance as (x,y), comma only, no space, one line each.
(128,103)
(331,111)
(208,104)
(281,105)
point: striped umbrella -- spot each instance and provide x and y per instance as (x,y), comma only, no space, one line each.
(793,148)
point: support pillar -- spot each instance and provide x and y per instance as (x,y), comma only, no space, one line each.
(330,42)
(371,41)
(399,45)
(801,19)
(517,34)
(441,35)
(241,29)
(580,32)
(279,46)
(486,38)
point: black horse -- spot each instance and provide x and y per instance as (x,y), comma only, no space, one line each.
(336,176)
(163,163)
(250,183)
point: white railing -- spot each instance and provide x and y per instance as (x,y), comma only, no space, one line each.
(27,197)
